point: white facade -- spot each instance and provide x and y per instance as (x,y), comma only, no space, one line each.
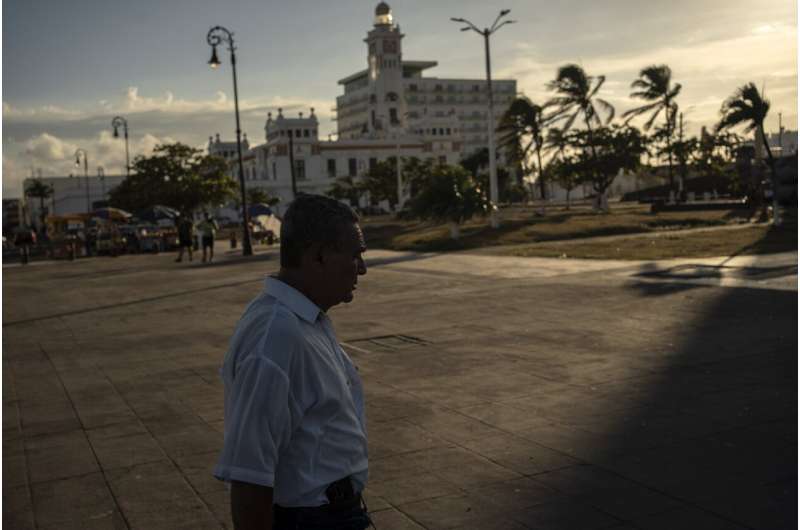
(386,110)
(71,194)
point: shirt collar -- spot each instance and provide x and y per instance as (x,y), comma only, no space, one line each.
(296,301)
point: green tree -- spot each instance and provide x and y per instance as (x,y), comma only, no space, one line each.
(380,181)
(615,148)
(566,172)
(476,161)
(178,176)
(522,131)
(258,195)
(450,194)
(747,107)
(38,189)
(655,86)
(344,189)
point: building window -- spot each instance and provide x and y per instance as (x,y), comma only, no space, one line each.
(448,131)
(438,88)
(372,163)
(412,88)
(297,133)
(476,88)
(441,132)
(305,133)
(352,167)
(331,168)
(433,131)
(274,172)
(300,169)
(393,116)
(443,160)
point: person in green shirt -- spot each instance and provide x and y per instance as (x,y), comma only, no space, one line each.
(208,230)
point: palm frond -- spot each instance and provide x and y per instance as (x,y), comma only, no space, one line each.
(608,108)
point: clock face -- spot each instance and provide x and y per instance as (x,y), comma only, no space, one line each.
(390,46)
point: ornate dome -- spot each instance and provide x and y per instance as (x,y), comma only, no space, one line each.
(383,15)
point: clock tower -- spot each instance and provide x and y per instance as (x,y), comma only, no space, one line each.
(387,106)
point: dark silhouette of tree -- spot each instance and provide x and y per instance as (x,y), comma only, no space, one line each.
(37,189)
(576,95)
(344,189)
(747,107)
(522,131)
(178,176)
(450,194)
(655,85)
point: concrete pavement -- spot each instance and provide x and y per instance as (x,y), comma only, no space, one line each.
(502,392)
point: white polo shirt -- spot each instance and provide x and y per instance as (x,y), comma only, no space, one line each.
(294,404)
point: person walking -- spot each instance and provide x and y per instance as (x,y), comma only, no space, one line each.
(24,239)
(208,230)
(185,229)
(295,444)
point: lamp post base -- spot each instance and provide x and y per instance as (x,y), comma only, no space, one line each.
(494,219)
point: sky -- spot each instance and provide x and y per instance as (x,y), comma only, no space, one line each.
(69,67)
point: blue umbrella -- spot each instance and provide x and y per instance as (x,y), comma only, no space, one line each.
(259,209)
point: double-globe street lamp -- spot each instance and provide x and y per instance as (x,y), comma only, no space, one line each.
(118,122)
(486,33)
(216,36)
(78,154)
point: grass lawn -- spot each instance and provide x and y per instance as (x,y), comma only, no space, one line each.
(579,233)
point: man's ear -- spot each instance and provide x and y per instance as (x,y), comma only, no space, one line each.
(316,254)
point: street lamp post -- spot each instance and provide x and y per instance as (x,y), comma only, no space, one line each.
(216,36)
(78,153)
(118,122)
(486,33)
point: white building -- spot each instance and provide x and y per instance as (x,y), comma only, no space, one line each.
(387,109)
(73,194)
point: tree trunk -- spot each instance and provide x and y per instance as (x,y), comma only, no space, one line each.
(455,230)
(776,217)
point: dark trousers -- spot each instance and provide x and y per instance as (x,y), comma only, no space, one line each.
(353,517)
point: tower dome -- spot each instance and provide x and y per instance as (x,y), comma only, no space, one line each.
(383,14)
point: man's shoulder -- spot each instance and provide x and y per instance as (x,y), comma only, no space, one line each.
(270,323)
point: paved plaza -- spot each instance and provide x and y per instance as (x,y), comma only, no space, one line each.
(502,393)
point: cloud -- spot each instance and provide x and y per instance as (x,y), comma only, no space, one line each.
(709,71)
(47,148)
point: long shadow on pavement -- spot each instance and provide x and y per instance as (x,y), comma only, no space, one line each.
(709,440)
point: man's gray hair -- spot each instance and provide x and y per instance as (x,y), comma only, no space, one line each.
(312,219)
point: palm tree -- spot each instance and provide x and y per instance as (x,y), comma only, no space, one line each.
(748,107)
(655,85)
(38,189)
(576,96)
(522,129)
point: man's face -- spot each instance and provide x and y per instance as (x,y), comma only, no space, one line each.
(343,265)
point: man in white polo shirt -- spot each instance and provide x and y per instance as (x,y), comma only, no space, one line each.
(295,449)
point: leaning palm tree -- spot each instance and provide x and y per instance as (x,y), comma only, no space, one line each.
(522,129)
(38,189)
(655,85)
(576,95)
(748,107)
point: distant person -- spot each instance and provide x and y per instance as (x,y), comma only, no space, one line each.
(185,229)
(208,231)
(295,445)
(24,239)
